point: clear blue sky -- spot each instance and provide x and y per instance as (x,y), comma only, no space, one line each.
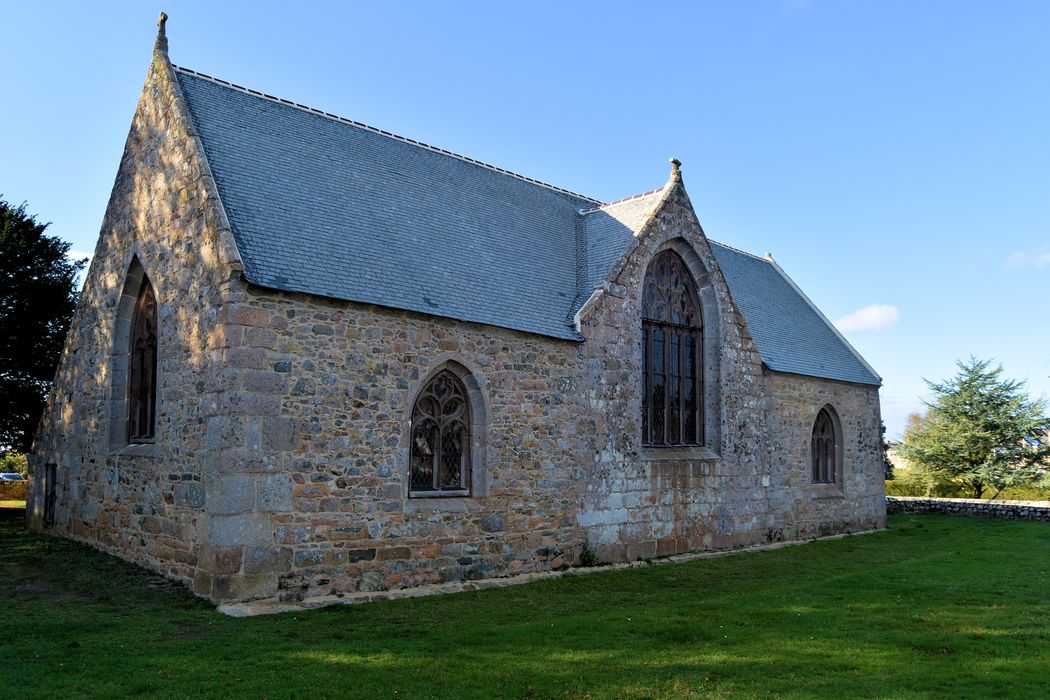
(893,155)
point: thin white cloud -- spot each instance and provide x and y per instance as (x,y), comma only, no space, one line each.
(1022,258)
(876,317)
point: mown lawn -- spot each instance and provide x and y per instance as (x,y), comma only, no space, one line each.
(936,606)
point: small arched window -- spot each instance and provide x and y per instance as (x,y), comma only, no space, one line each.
(142,367)
(440,462)
(672,355)
(824,449)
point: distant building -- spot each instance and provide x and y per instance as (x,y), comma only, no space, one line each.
(312,356)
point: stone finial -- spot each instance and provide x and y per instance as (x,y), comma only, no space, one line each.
(676,169)
(162,37)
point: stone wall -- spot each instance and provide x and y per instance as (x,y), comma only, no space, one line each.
(801,508)
(639,502)
(339,380)
(1007,510)
(142,502)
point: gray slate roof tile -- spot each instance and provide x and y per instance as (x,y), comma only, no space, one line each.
(333,208)
(791,335)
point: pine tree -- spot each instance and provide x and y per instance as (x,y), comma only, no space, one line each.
(981,432)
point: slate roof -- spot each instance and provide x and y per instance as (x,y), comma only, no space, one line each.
(608,231)
(790,333)
(326,206)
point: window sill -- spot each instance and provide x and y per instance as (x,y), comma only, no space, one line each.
(668,454)
(825,490)
(441,504)
(138,449)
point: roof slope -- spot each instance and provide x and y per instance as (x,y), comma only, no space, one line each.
(790,333)
(327,207)
(607,233)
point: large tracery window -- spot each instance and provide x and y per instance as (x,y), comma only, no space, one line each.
(672,355)
(142,367)
(440,463)
(823,448)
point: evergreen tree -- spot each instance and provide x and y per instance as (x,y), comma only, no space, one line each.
(37,297)
(981,432)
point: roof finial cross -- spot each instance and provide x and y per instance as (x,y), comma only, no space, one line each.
(676,169)
(162,37)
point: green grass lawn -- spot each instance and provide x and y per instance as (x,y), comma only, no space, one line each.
(936,606)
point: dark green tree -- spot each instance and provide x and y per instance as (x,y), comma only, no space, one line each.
(982,432)
(38,294)
(887,465)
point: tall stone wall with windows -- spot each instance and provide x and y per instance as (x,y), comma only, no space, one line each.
(143,503)
(342,379)
(638,501)
(857,498)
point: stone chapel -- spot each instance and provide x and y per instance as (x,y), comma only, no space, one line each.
(315,357)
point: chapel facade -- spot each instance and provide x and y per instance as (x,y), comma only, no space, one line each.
(312,357)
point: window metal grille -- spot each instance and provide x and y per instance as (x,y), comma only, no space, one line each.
(672,355)
(142,368)
(440,462)
(823,448)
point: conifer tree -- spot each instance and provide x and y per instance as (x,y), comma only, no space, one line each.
(37,297)
(981,432)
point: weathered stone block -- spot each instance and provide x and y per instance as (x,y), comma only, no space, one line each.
(189,495)
(230,494)
(267,559)
(278,433)
(492,523)
(220,560)
(243,587)
(233,530)
(275,493)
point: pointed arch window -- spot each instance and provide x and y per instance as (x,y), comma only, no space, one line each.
(142,367)
(672,355)
(440,462)
(824,450)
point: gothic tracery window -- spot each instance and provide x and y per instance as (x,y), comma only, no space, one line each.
(823,448)
(672,355)
(440,462)
(142,367)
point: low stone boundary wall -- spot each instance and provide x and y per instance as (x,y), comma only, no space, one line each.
(1009,510)
(13,490)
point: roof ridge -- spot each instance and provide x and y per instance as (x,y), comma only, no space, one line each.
(620,201)
(395,137)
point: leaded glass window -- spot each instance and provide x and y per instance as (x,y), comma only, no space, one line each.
(142,367)
(823,448)
(440,462)
(672,355)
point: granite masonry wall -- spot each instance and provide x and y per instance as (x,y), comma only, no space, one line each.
(800,508)
(142,502)
(280,467)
